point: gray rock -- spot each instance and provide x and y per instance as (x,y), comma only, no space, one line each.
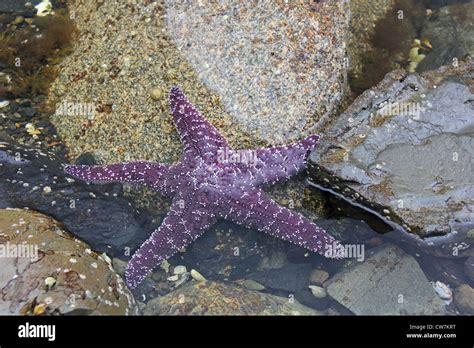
(119,266)
(276,259)
(388,282)
(451,34)
(290,278)
(413,169)
(469,267)
(252,285)
(464,299)
(214,298)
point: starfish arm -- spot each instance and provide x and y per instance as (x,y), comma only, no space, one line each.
(152,175)
(282,162)
(200,138)
(257,211)
(185,222)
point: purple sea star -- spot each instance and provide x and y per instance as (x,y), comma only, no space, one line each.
(213,182)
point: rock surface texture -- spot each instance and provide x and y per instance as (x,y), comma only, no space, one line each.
(404,150)
(52,273)
(388,282)
(213,298)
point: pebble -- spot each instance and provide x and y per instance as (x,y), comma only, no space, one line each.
(50,281)
(18,20)
(4,103)
(443,291)
(318,277)
(252,285)
(27,112)
(318,291)
(173,278)
(179,270)
(157,94)
(156,276)
(165,266)
(197,276)
(119,266)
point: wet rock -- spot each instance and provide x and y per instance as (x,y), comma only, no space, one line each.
(27,112)
(403,151)
(214,298)
(464,298)
(469,267)
(348,230)
(252,285)
(33,178)
(275,260)
(270,49)
(25,7)
(318,291)
(451,34)
(56,273)
(388,282)
(289,278)
(119,266)
(318,276)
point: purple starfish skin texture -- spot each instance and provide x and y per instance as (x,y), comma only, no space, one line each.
(207,186)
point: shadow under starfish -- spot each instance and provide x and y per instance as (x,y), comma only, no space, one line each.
(213,182)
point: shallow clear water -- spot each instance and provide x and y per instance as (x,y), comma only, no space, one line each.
(263,75)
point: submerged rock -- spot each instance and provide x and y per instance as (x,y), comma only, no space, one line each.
(54,273)
(289,278)
(388,282)
(469,267)
(403,150)
(274,64)
(213,298)
(451,34)
(464,298)
(98,214)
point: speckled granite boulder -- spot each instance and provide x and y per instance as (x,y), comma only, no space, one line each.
(213,298)
(52,273)
(278,66)
(404,150)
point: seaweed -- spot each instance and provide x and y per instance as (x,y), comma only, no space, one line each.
(390,42)
(29,52)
